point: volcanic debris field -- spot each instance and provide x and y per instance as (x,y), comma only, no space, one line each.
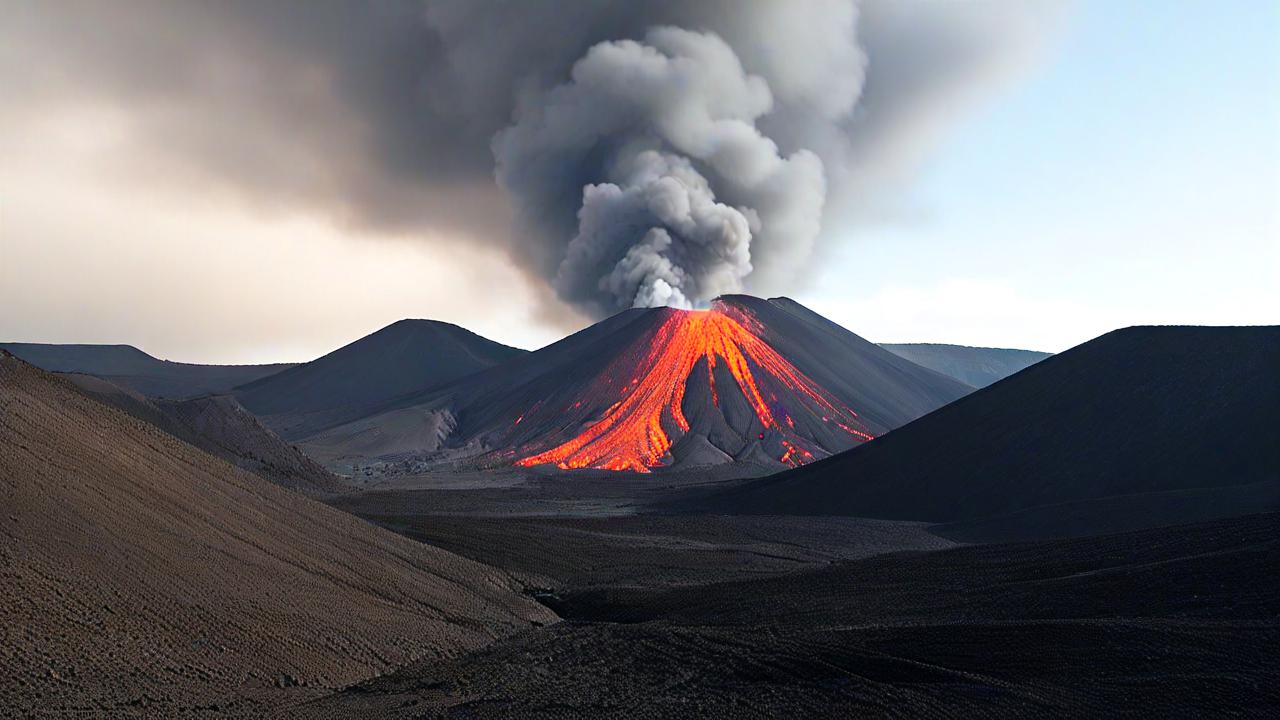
(1095,535)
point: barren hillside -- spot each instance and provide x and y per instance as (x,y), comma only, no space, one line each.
(143,576)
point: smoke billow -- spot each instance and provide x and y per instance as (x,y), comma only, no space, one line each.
(655,152)
(662,128)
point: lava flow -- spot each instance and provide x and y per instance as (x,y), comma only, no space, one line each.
(632,434)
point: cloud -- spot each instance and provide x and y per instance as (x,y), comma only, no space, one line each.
(381,118)
(92,252)
(649,132)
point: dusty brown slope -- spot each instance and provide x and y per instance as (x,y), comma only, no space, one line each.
(140,575)
(221,427)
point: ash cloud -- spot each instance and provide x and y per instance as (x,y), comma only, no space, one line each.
(655,152)
(680,182)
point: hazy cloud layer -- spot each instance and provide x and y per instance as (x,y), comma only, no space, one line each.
(621,152)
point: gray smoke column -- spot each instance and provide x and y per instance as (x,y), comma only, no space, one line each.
(684,182)
(646,151)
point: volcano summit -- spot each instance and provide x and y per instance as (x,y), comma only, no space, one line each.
(767,383)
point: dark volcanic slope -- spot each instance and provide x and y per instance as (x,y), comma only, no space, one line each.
(141,576)
(649,551)
(1177,622)
(128,366)
(1146,410)
(220,426)
(637,391)
(404,357)
(976,366)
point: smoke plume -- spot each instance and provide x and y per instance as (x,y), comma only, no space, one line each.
(655,152)
(665,131)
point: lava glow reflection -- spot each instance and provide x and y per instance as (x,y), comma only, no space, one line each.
(632,434)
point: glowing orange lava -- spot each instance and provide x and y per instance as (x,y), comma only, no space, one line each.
(632,434)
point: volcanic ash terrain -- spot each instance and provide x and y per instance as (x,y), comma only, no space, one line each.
(141,576)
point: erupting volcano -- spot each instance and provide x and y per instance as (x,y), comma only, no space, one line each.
(760,384)
(635,432)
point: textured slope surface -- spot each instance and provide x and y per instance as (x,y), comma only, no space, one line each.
(144,577)
(1172,622)
(404,357)
(649,551)
(130,367)
(221,427)
(762,382)
(1141,411)
(976,366)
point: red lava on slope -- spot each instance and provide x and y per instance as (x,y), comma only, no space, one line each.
(635,432)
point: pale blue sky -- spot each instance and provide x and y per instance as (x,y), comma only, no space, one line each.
(1132,176)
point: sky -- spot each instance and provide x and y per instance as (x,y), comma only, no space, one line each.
(1126,171)
(1133,177)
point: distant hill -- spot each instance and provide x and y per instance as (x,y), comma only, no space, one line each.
(144,577)
(1140,427)
(405,357)
(222,427)
(976,366)
(751,382)
(128,366)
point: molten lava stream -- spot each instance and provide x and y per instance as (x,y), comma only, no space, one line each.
(630,435)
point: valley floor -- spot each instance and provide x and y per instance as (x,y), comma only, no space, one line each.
(739,617)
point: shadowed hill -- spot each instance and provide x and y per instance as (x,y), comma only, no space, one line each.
(1118,428)
(132,368)
(142,576)
(404,357)
(976,366)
